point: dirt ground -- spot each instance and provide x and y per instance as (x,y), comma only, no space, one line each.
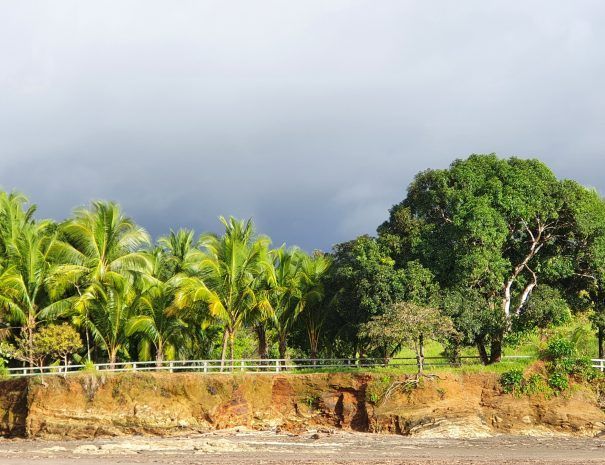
(242,446)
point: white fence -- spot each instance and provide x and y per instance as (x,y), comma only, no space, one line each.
(599,363)
(249,365)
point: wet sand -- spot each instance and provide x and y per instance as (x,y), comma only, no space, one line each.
(249,447)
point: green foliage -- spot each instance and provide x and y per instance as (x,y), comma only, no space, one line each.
(512,381)
(487,252)
(406,324)
(3,369)
(500,229)
(535,384)
(377,387)
(582,369)
(89,367)
(57,341)
(545,308)
(232,280)
(559,349)
(362,283)
(558,380)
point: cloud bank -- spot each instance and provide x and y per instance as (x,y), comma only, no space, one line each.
(310,116)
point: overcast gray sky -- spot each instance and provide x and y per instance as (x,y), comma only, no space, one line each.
(310,116)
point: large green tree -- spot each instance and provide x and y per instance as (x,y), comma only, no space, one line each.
(488,224)
(581,269)
(362,282)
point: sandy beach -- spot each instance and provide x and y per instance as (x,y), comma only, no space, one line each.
(250,447)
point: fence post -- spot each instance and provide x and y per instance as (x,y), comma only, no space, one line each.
(277,366)
(134,366)
(205,366)
(602,364)
(171,364)
(242,365)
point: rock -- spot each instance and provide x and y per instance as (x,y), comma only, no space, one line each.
(86,449)
(54,449)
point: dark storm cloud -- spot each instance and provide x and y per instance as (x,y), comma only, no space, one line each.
(310,116)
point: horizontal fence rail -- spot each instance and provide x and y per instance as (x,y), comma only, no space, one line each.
(255,365)
(599,364)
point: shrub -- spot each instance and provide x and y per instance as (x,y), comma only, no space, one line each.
(3,369)
(512,381)
(564,365)
(559,349)
(558,380)
(89,367)
(377,388)
(535,384)
(582,370)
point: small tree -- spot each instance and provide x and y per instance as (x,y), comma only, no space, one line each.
(407,324)
(57,341)
(25,350)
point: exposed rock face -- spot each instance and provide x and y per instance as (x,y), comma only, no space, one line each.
(13,407)
(86,406)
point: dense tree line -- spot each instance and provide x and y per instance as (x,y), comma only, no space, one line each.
(472,254)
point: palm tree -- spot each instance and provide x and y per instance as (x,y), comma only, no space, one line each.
(298,290)
(232,272)
(181,252)
(153,319)
(24,290)
(15,215)
(108,316)
(26,245)
(314,311)
(286,294)
(100,248)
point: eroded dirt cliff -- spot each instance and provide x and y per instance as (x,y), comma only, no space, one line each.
(86,406)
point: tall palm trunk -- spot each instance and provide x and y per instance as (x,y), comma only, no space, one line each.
(232,344)
(87,344)
(261,335)
(313,335)
(224,349)
(113,355)
(283,347)
(29,334)
(159,356)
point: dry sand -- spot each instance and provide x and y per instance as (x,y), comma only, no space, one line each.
(241,446)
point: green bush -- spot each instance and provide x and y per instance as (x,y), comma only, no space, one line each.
(582,370)
(559,349)
(89,366)
(565,364)
(512,381)
(558,380)
(377,388)
(536,384)
(3,369)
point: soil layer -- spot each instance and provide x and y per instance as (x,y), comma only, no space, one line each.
(454,406)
